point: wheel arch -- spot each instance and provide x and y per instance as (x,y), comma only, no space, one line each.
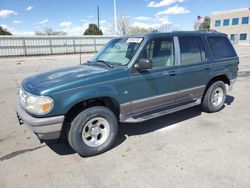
(220,77)
(106,101)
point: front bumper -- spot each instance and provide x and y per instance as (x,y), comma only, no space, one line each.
(45,128)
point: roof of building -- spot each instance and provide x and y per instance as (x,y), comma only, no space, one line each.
(230,11)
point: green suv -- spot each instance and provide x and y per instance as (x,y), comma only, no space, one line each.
(131,79)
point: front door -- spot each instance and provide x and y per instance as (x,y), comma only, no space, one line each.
(157,87)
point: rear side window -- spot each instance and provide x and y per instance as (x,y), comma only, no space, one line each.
(192,50)
(221,47)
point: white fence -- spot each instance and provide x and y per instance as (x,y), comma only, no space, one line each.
(49,45)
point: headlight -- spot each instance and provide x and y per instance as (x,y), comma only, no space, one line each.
(38,105)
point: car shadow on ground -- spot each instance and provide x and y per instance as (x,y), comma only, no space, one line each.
(132,129)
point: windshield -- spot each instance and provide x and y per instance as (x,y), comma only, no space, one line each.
(118,51)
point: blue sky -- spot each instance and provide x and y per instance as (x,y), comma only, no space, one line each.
(27,16)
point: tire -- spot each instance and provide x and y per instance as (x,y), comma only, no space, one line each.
(215,96)
(93,131)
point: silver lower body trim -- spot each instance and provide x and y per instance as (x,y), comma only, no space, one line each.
(131,119)
(142,106)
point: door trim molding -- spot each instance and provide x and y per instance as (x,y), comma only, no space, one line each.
(145,105)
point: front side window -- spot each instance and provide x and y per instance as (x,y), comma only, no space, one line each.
(191,49)
(235,21)
(119,51)
(245,20)
(221,47)
(217,23)
(160,51)
(243,36)
(225,22)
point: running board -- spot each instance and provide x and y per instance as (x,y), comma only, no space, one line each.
(154,114)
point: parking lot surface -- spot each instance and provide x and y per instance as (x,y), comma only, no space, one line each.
(189,148)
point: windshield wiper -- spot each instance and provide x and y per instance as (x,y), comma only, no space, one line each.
(106,63)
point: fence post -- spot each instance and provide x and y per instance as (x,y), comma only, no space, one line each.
(24,47)
(50,45)
(95,45)
(65,45)
(74,44)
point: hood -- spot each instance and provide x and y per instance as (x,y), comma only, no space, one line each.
(60,78)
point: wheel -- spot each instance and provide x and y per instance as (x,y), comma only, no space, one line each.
(214,98)
(93,131)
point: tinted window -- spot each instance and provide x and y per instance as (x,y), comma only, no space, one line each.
(160,51)
(235,21)
(221,47)
(232,37)
(245,20)
(243,36)
(217,23)
(226,22)
(191,49)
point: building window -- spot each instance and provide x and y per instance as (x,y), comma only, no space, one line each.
(217,23)
(225,22)
(232,37)
(235,21)
(245,20)
(243,36)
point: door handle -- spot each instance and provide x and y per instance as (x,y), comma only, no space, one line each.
(172,73)
(207,68)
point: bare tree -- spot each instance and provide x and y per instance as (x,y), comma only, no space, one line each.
(50,31)
(123,24)
(140,30)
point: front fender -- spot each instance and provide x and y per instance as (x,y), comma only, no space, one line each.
(66,100)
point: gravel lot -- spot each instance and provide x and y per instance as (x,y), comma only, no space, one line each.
(189,148)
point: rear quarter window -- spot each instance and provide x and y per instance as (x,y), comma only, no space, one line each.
(221,47)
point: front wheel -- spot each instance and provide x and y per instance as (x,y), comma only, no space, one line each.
(214,98)
(93,131)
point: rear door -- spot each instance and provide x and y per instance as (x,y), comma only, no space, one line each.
(193,73)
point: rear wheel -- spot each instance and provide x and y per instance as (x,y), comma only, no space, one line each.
(93,131)
(214,98)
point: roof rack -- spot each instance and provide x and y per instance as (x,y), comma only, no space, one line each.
(208,30)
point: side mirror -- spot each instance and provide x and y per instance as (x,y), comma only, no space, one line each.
(143,64)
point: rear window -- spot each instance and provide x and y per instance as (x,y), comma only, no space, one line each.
(221,47)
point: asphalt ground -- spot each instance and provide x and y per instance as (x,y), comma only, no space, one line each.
(189,148)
